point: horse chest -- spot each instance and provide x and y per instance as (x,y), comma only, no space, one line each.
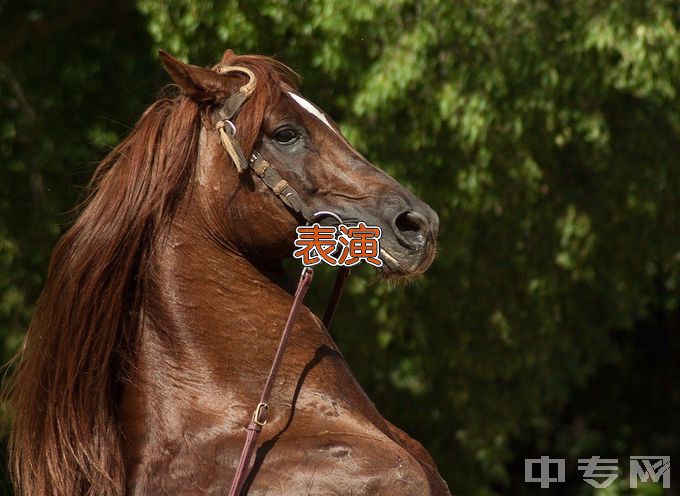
(330,463)
(341,466)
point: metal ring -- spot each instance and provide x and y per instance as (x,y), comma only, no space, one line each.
(324,213)
(231,125)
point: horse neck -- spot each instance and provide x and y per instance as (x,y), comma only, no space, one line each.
(210,326)
(212,305)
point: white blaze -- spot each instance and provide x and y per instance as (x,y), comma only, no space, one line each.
(309,107)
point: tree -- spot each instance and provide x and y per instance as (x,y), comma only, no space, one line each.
(70,73)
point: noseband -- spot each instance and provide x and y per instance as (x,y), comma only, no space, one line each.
(293,201)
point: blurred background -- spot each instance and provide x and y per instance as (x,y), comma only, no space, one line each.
(546,134)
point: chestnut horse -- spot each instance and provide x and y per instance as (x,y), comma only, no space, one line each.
(164,303)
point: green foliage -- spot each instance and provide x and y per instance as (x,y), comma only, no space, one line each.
(67,75)
(546,137)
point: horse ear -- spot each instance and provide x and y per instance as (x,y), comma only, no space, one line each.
(202,85)
(228,56)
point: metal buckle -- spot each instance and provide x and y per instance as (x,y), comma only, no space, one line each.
(256,414)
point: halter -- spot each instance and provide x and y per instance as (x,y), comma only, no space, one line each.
(293,201)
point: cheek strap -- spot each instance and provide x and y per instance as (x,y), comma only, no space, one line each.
(262,169)
(228,111)
(280,187)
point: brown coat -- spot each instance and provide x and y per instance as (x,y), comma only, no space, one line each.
(165,301)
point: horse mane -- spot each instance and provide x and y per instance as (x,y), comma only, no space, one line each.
(64,392)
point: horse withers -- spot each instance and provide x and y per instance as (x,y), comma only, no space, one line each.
(164,303)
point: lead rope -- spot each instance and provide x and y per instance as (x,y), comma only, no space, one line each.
(293,201)
(338,288)
(261,413)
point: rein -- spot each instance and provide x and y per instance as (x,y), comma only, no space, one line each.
(291,199)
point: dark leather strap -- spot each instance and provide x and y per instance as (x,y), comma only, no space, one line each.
(232,105)
(262,169)
(262,411)
(280,187)
(338,288)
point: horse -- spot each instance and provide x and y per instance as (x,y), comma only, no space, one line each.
(164,301)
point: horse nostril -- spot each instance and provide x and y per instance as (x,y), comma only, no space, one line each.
(409,221)
(411,228)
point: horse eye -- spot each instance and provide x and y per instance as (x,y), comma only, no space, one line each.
(286,136)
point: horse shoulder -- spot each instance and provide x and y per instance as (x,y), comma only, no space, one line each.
(340,464)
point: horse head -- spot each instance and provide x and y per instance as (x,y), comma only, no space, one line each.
(307,149)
